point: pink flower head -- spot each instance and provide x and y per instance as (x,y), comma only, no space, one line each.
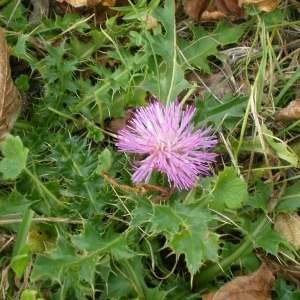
(165,135)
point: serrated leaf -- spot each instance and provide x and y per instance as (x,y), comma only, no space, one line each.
(141,213)
(197,244)
(186,229)
(165,220)
(269,240)
(229,191)
(91,240)
(260,198)
(290,199)
(204,44)
(15,156)
(226,34)
(66,266)
(128,282)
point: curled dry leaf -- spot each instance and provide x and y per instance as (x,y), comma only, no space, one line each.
(289,113)
(213,10)
(264,5)
(10,101)
(256,286)
(289,226)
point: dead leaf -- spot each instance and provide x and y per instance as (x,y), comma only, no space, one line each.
(289,113)
(213,10)
(117,124)
(288,226)
(289,270)
(255,286)
(264,5)
(10,101)
(150,21)
(88,3)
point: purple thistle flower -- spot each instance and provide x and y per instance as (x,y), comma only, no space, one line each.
(165,135)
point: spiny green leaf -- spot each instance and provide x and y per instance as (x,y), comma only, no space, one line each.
(204,44)
(226,34)
(128,282)
(91,240)
(165,220)
(197,244)
(260,198)
(269,240)
(187,232)
(141,213)
(229,191)
(15,156)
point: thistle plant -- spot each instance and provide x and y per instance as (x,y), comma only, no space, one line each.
(165,135)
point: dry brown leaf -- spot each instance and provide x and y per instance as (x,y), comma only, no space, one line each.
(264,5)
(212,10)
(150,21)
(256,286)
(117,124)
(289,113)
(289,226)
(89,3)
(10,101)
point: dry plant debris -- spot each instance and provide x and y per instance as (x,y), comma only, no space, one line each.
(289,113)
(88,3)
(255,286)
(217,9)
(10,101)
(289,226)
(264,5)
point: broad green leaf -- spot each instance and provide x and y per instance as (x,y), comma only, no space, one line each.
(20,256)
(15,156)
(95,133)
(229,191)
(30,295)
(290,200)
(20,260)
(211,110)
(105,161)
